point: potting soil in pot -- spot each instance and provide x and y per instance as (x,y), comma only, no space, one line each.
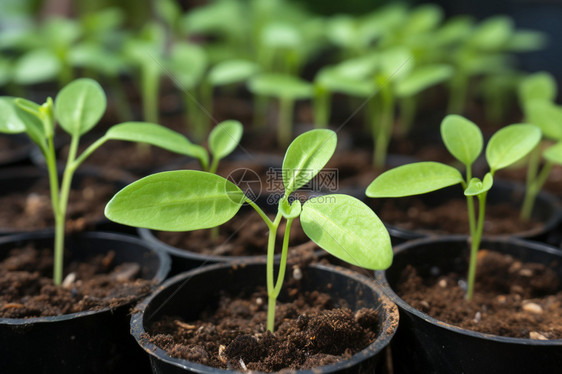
(511,298)
(28,290)
(233,335)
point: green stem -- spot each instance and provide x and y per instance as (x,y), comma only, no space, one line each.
(384,133)
(285,124)
(533,189)
(475,245)
(149,90)
(260,111)
(270,273)
(470,204)
(457,97)
(193,114)
(408,107)
(321,107)
(283,261)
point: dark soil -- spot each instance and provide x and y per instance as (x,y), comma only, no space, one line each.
(308,333)
(244,235)
(30,209)
(449,218)
(511,298)
(28,290)
(12,150)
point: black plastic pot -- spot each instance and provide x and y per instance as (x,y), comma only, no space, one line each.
(547,209)
(187,294)
(86,342)
(425,345)
(23,180)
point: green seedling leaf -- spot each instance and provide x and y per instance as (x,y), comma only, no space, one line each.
(395,64)
(280,85)
(527,40)
(455,30)
(290,211)
(181,200)
(510,144)
(537,86)
(188,62)
(493,33)
(477,187)
(224,138)
(348,229)
(232,71)
(414,179)
(462,138)
(554,153)
(158,136)
(547,116)
(424,18)
(280,35)
(423,78)
(334,80)
(29,114)
(306,156)
(36,66)
(10,122)
(80,105)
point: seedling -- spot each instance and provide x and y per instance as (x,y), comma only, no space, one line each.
(185,200)
(287,89)
(464,141)
(77,109)
(537,93)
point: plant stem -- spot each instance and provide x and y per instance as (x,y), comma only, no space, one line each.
(457,98)
(470,203)
(285,124)
(260,111)
(383,132)
(408,107)
(475,245)
(533,189)
(270,272)
(321,107)
(150,74)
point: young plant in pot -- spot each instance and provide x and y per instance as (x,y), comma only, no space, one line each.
(340,224)
(437,212)
(77,108)
(505,286)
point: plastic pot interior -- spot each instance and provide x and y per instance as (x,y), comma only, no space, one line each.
(426,345)
(547,210)
(187,294)
(84,342)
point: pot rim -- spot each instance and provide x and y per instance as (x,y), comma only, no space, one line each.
(381,278)
(387,331)
(160,275)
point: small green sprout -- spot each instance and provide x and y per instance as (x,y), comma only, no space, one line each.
(537,93)
(463,139)
(77,109)
(185,200)
(287,89)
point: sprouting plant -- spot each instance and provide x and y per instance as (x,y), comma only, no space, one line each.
(287,89)
(463,139)
(188,200)
(77,109)
(537,94)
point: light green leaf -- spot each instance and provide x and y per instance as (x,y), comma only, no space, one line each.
(181,200)
(510,144)
(537,86)
(224,138)
(306,156)
(80,105)
(493,33)
(334,80)
(36,66)
(547,116)
(462,138)
(280,35)
(280,85)
(188,62)
(28,112)
(414,179)
(348,229)
(10,122)
(477,187)
(527,40)
(422,78)
(232,71)
(554,153)
(290,211)
(159,136)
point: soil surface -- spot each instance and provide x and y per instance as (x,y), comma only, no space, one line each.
(449,218)
(309,332)
(28,289)
(30,208)
(511,298)
(244,235)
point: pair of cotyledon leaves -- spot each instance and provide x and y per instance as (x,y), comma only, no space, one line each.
(464,141)
(186,200)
